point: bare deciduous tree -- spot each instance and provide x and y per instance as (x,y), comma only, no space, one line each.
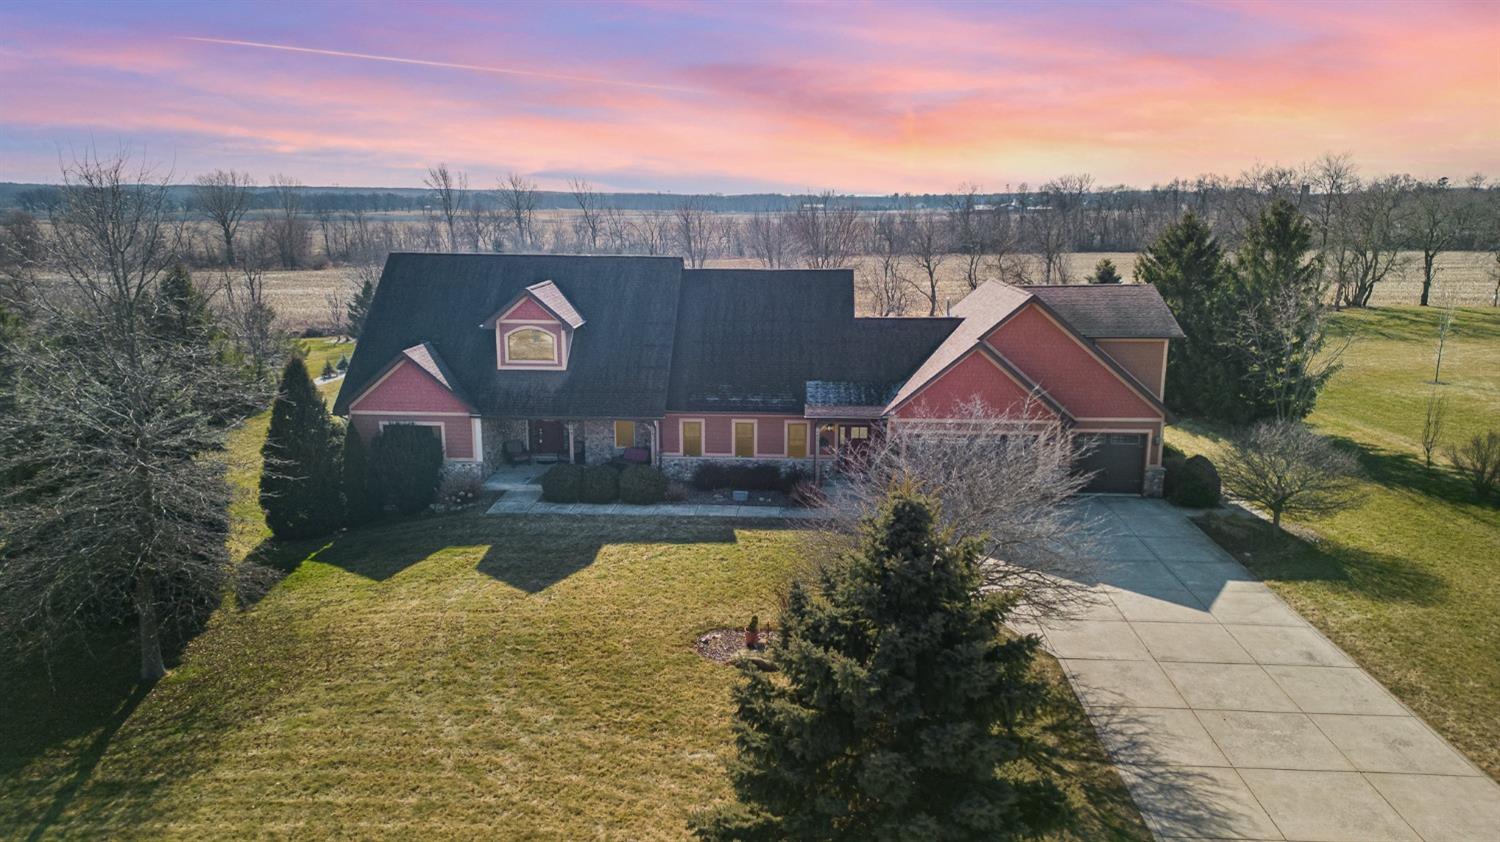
(826,231)
(1436,221)
(224,197)
(286,229)
(970,232)
(769,239)
(518,197)
(928,246)
(590,216)
(1007,483)
(450,189)
(884,285)
(1285,468)
(1368,247)
(694,228)
(248,316)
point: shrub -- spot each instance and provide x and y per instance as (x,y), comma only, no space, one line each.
(362,496)
(343,362)
(1172,460)
(562,484)
(676,491)
(407,460)
(761,477)
(299,485)
(642,485)
(1478,460)
(601,484)
(1197,485)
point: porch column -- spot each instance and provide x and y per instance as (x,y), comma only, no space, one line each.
(656,444)
(571,452)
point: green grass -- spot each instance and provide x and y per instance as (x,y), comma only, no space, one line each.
(326,349)
(435,677)
(1409,581)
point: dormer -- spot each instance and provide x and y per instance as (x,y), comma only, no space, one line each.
(535,330)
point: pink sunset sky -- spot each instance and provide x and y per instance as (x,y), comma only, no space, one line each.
(741,97)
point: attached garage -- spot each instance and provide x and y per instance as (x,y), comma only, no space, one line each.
(1117,460)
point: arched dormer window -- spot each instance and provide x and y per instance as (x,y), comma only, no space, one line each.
(531,345)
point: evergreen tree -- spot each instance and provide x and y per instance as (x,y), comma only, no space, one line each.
(897,717)
(1105,273)
(359,308)
(181,312)
(1277,335)
(361,496)
(299,486)
(328,369)
(1187,267)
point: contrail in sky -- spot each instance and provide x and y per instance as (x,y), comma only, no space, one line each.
(478,68)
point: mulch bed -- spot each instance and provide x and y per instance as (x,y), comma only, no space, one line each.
(725,497)
(724,645)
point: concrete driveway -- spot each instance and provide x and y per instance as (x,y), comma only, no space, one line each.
(1230,717)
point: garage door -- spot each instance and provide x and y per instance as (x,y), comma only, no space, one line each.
(1118,461)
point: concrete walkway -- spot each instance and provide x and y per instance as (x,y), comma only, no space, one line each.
(1230,717)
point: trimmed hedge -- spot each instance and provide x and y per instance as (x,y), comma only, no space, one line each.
(763,477)
(1197,484)
(563,483)
(407,460)
(642,485)
(601,484)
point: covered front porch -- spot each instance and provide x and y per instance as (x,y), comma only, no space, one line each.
(548,441)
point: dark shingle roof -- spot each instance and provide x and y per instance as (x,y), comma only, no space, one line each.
(619,361)
(1111,311)
(750,340)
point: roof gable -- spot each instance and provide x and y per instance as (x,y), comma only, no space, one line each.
(1111,311)
(416,380)
(980,373)
(1078,376)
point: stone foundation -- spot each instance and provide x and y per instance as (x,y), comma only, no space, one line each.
(682,467)
(1156,475)
(476,469)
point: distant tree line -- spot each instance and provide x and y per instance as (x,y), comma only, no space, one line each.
(1364,229)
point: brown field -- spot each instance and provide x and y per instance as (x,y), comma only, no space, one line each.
(300,297)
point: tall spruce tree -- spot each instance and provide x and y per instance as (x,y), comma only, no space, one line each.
(300,483)
(362,499)
(1276,334)
(359,308)
(1186,265)
(180,311)
(899,710)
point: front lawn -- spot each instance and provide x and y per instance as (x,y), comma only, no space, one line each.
(1409,582)
(443,676)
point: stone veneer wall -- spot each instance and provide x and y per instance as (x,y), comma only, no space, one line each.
(496,432)
(682,467)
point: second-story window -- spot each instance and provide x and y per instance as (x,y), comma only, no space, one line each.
(531,344)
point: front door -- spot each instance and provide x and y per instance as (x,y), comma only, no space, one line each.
(548,437)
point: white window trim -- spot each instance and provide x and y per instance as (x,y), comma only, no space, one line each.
(734,437)
(702,437)
(786,438)
(559,359)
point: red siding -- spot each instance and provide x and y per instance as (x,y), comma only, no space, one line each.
(974,376)
(718,433)
(458,431)
(1051,357)
(529,309)
(1143,358)
(408,389)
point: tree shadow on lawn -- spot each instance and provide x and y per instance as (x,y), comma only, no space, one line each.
(1409,324)
(1397,470)
(1289,557)
(530,554)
